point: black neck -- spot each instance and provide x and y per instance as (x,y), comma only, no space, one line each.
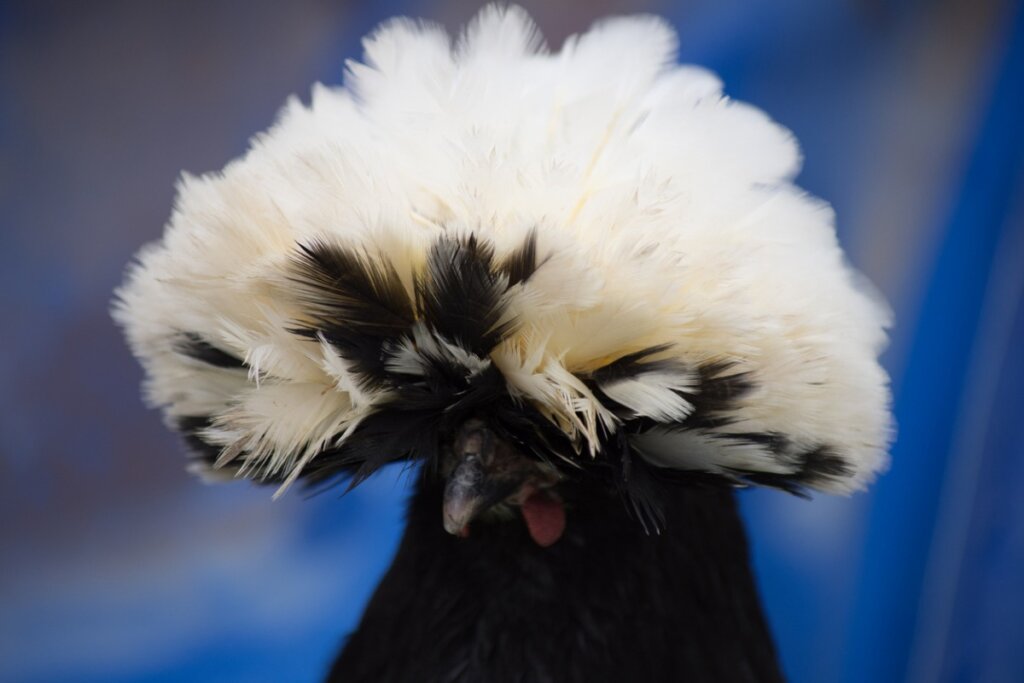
(604,603)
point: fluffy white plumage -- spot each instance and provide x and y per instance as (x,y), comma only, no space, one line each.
(665,213)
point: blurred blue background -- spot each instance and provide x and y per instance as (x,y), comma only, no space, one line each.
(116,566)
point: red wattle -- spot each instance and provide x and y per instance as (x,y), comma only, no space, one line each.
(545,518)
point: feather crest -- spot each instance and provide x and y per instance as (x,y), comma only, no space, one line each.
(601,250)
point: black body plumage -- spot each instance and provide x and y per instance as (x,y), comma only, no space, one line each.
(605,603)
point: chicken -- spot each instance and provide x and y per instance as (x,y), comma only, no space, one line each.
(579,290)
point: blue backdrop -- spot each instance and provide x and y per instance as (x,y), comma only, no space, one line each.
(115,566)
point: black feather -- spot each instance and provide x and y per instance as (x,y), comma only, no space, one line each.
(814,466)
(356,302)
(409,423)
(605,603)
(461,292)
(194,346)
(191,427)
(720,392)
(823,463)
(635,364)
(638,485)
(521,263)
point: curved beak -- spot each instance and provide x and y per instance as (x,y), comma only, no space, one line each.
(486,472)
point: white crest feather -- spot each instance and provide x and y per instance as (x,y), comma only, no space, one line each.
(664,212)
(655,394)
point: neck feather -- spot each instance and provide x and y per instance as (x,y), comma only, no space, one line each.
(606,602)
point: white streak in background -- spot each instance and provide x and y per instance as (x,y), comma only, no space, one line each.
(960,488)
(165,584)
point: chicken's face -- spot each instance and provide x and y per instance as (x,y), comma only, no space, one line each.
(486,475)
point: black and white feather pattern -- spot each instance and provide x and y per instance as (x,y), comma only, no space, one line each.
(594,247)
